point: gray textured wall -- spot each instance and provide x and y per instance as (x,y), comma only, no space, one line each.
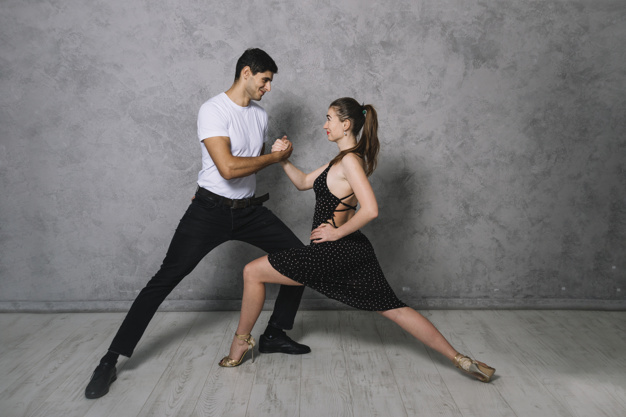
(501,177)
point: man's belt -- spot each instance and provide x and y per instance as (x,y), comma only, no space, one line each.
(233,203)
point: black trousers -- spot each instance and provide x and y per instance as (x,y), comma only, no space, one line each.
(205,225)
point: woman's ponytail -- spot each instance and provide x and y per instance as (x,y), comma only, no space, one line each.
(361,117)
(369,139)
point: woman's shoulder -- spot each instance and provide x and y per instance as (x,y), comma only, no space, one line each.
(351,160)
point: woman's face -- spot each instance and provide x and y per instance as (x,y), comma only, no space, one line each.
(333,126)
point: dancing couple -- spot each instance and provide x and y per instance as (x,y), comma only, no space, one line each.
(339,262)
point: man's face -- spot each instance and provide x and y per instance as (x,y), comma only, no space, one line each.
(259,84)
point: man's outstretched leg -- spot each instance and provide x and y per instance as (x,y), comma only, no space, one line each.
(200,230)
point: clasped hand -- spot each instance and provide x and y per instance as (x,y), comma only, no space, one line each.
(281,145)
(324,233)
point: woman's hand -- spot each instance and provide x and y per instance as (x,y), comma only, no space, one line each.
(280,144)
(324,233)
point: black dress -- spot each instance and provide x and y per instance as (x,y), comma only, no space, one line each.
(346,269)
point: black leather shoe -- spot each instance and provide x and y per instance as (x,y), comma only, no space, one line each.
(281,344)
(102,378)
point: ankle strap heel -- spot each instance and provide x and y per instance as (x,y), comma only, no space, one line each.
(478,370)
(228,362)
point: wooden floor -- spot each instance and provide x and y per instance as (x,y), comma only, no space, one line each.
(549,363)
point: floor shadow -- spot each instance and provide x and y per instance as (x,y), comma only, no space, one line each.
(162,340)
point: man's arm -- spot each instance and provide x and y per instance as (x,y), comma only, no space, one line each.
(230,166)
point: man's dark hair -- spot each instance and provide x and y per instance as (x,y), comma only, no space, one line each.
(258,61)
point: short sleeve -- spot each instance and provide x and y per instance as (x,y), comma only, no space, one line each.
(211,121)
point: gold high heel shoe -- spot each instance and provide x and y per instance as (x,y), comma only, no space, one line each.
(228,362)
(477,369)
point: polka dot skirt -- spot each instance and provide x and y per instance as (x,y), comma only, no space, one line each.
(345,270)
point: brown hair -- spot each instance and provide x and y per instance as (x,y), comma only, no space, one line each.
(364,117)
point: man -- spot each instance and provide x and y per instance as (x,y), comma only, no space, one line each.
(232,129)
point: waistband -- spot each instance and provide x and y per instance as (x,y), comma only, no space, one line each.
(233,203)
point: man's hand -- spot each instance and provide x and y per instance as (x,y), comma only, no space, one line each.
(281,144)
(283,148)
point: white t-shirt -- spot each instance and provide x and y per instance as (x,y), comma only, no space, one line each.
(247,129)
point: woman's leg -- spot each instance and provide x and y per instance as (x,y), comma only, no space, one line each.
(255,275)
(421,328)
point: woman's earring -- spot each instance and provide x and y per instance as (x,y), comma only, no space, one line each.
(345,133)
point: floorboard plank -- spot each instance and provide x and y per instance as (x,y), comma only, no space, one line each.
(519,387)
(40,379)
(276,389)
(18,328)
(139,375)
(324,385)
(226,391)
(48,332)
(373,386)
(178,389)
(421,386)
(473,397)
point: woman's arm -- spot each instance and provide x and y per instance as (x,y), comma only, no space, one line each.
(301,180)
(355,175)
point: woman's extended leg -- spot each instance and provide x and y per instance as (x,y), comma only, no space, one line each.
(420,328)
(423,330)
(255,275)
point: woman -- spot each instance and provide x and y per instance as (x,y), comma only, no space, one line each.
(340,261)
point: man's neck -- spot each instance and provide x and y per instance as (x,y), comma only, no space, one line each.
(238,95)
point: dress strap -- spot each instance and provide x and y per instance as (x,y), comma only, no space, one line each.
(346,209)
(349,207)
